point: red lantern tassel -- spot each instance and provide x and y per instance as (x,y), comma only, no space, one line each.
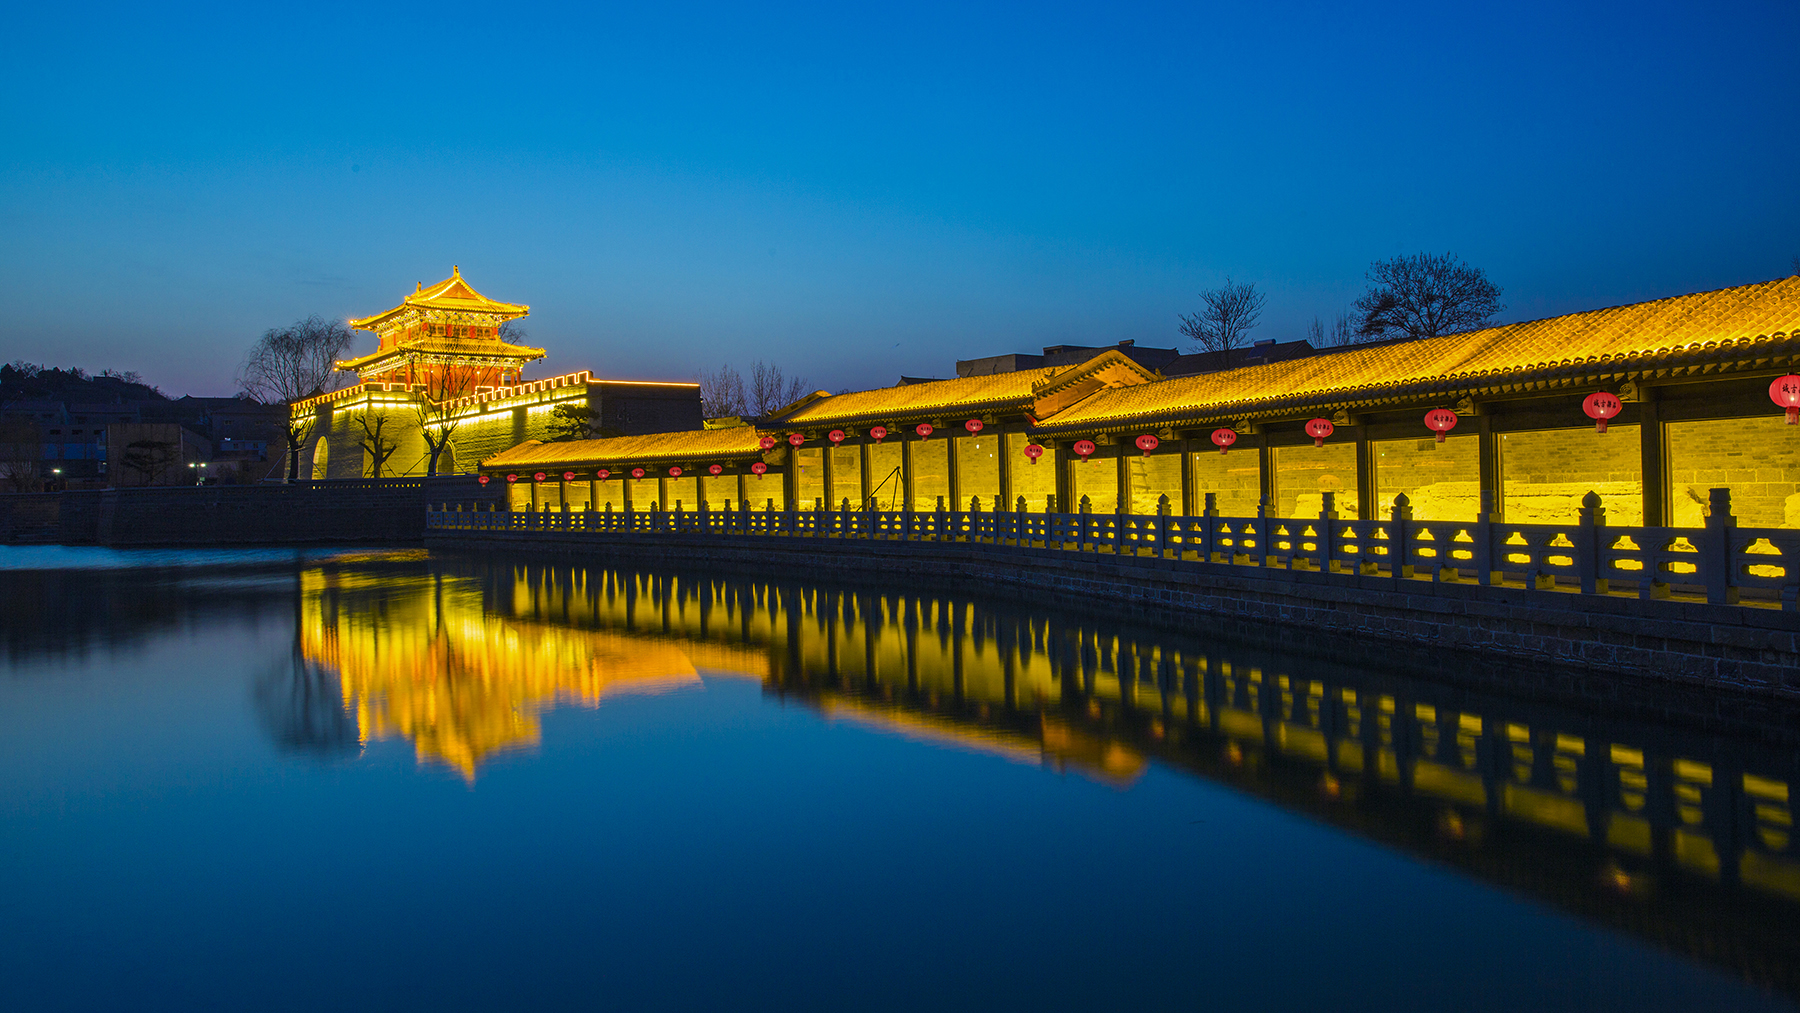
(1793,414)
(1599,425)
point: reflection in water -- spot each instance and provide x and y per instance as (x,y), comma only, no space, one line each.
(1679,835)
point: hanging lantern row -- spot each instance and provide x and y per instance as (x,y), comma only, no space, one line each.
(1785,392)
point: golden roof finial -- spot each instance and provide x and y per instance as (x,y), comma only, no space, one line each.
(419,289)
(455,272)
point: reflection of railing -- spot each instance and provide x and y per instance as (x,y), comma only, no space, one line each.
(1719,563)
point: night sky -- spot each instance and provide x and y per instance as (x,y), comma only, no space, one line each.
(857,192)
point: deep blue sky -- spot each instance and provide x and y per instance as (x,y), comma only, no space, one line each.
(857,192)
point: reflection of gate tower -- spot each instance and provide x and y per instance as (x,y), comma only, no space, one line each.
(445,339)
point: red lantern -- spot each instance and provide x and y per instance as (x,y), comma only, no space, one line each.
(795,439)
(879,433)
(637,473)
(758,469)
(1223,438)
(973,425)
(674,472)
(1083,448)
(1318,429)
(482,479)
(512,478)
(714,470)
(1034,452)
(1601,406)
(1440,421)
(1785,391)
(835,436)
(1147,443)
(568,476)
(924,430)
(767,443)
(539,477)
(602,474)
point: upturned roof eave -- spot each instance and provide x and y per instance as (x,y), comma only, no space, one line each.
(1598,369)
(1020,405)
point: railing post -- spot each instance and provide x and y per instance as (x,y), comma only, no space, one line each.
(940,517)
(1084,523)
(1209,529)
(1587,544)
(1328,518)
(1485,571)
(1716,567)
(1400,539)
(1263,555)
(1162,526)
(974,519)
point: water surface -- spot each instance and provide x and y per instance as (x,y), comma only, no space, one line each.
(394,781)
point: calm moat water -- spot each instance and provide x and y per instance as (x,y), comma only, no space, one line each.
(314,780)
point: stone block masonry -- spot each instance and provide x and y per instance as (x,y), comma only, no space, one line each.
(1718,647)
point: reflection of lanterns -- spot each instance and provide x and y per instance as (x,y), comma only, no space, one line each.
(1785,391)
(835,436)
(758,469)
(674,472)
(602,474)
(568,476)
(924,430)
(973,425)
(1223,439)
(637,473)
(1147,443)
(1083,448)
(483,479)
(1318,429)
(1440,421)
(539,477)
(795,439)
(767,443)
(1034,452)
(512,478)
(1601,406)
(714,469)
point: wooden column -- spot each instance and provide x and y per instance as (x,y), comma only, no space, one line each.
(906,472)
(828,475)
(662,491)
(1190,486)
(1008,496)
(1653,438)
(868,470)
(593,494)
(1488,446)
(953,475)
(562,493)
(1265,458)
(1366,493)
(1122,481)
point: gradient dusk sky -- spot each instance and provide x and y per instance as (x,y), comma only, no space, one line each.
(857,192)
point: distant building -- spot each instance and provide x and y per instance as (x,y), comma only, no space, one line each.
(441,365)
(1167,361)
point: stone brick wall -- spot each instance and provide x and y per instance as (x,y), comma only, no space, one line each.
(1757,459)
(1707,646)
(1544,475)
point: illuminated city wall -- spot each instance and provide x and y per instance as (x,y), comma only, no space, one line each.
(1544,475)
(1758,459)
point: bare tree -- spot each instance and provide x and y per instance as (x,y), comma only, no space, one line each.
(438,420)
(20,448)
(1228,316)
(722,393)
(290,363)
(1425,295)
(151,459)
(377,448)
(770,390)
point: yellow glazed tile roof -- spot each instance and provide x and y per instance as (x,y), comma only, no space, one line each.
(448,346)
(971,394)
(453,293)
(698,446)
(1750,322)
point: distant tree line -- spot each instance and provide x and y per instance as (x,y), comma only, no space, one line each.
(1411,296)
